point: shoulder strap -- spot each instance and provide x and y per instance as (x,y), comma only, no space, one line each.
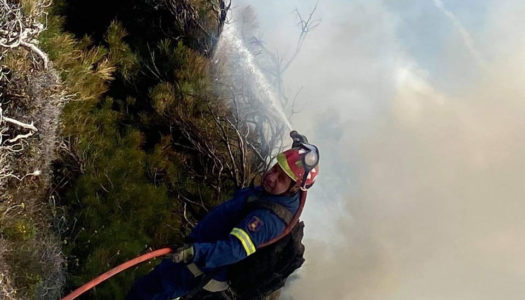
(254,202)
(279,210)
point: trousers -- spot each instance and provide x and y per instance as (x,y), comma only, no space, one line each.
(168,280)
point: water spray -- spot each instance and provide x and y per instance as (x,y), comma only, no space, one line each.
(262,87)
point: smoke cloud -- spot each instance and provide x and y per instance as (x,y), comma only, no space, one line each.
(467,38)
(421,189)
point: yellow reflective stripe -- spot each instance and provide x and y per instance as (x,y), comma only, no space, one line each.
(283,163)
(245,239)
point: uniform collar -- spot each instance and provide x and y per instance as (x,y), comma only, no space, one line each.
(277,198)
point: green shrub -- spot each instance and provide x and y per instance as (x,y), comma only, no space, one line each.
(124,163)
(22,229)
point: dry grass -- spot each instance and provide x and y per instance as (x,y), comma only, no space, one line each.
(7,291)
(31,262)
(35,270)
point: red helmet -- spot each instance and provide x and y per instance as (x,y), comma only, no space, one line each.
(291,161)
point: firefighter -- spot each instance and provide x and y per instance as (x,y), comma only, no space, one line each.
(227,234)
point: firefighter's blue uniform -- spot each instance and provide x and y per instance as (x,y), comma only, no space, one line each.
(223,237)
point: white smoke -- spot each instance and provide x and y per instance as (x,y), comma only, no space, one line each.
(467,38)
(420,193)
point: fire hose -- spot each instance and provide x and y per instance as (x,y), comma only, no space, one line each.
(145,257)
(102,277)
(309,161)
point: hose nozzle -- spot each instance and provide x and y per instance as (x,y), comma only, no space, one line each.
(298,139)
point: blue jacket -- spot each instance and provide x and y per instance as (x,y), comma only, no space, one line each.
(226,236)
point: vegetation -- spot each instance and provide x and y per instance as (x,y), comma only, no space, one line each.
(147,145)
(147,141)
(31,98)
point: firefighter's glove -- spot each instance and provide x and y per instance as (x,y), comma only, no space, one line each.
(183,254)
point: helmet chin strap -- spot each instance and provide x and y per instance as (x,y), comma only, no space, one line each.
(288,191)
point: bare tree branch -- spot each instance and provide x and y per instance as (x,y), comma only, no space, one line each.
(186,216)
(306,26)
(17,29)
(13,121)
(6,151)
(275,65)
(20,136)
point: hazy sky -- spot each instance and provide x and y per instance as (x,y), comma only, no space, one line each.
(418,109)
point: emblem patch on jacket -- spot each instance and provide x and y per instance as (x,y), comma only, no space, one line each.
(255,224)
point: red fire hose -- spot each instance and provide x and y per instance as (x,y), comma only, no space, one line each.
(290,226)
(137,260)
(102,277)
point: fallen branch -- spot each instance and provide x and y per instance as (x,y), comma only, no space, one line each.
(20,136)
(39,52)
(19,30)
(24,125)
